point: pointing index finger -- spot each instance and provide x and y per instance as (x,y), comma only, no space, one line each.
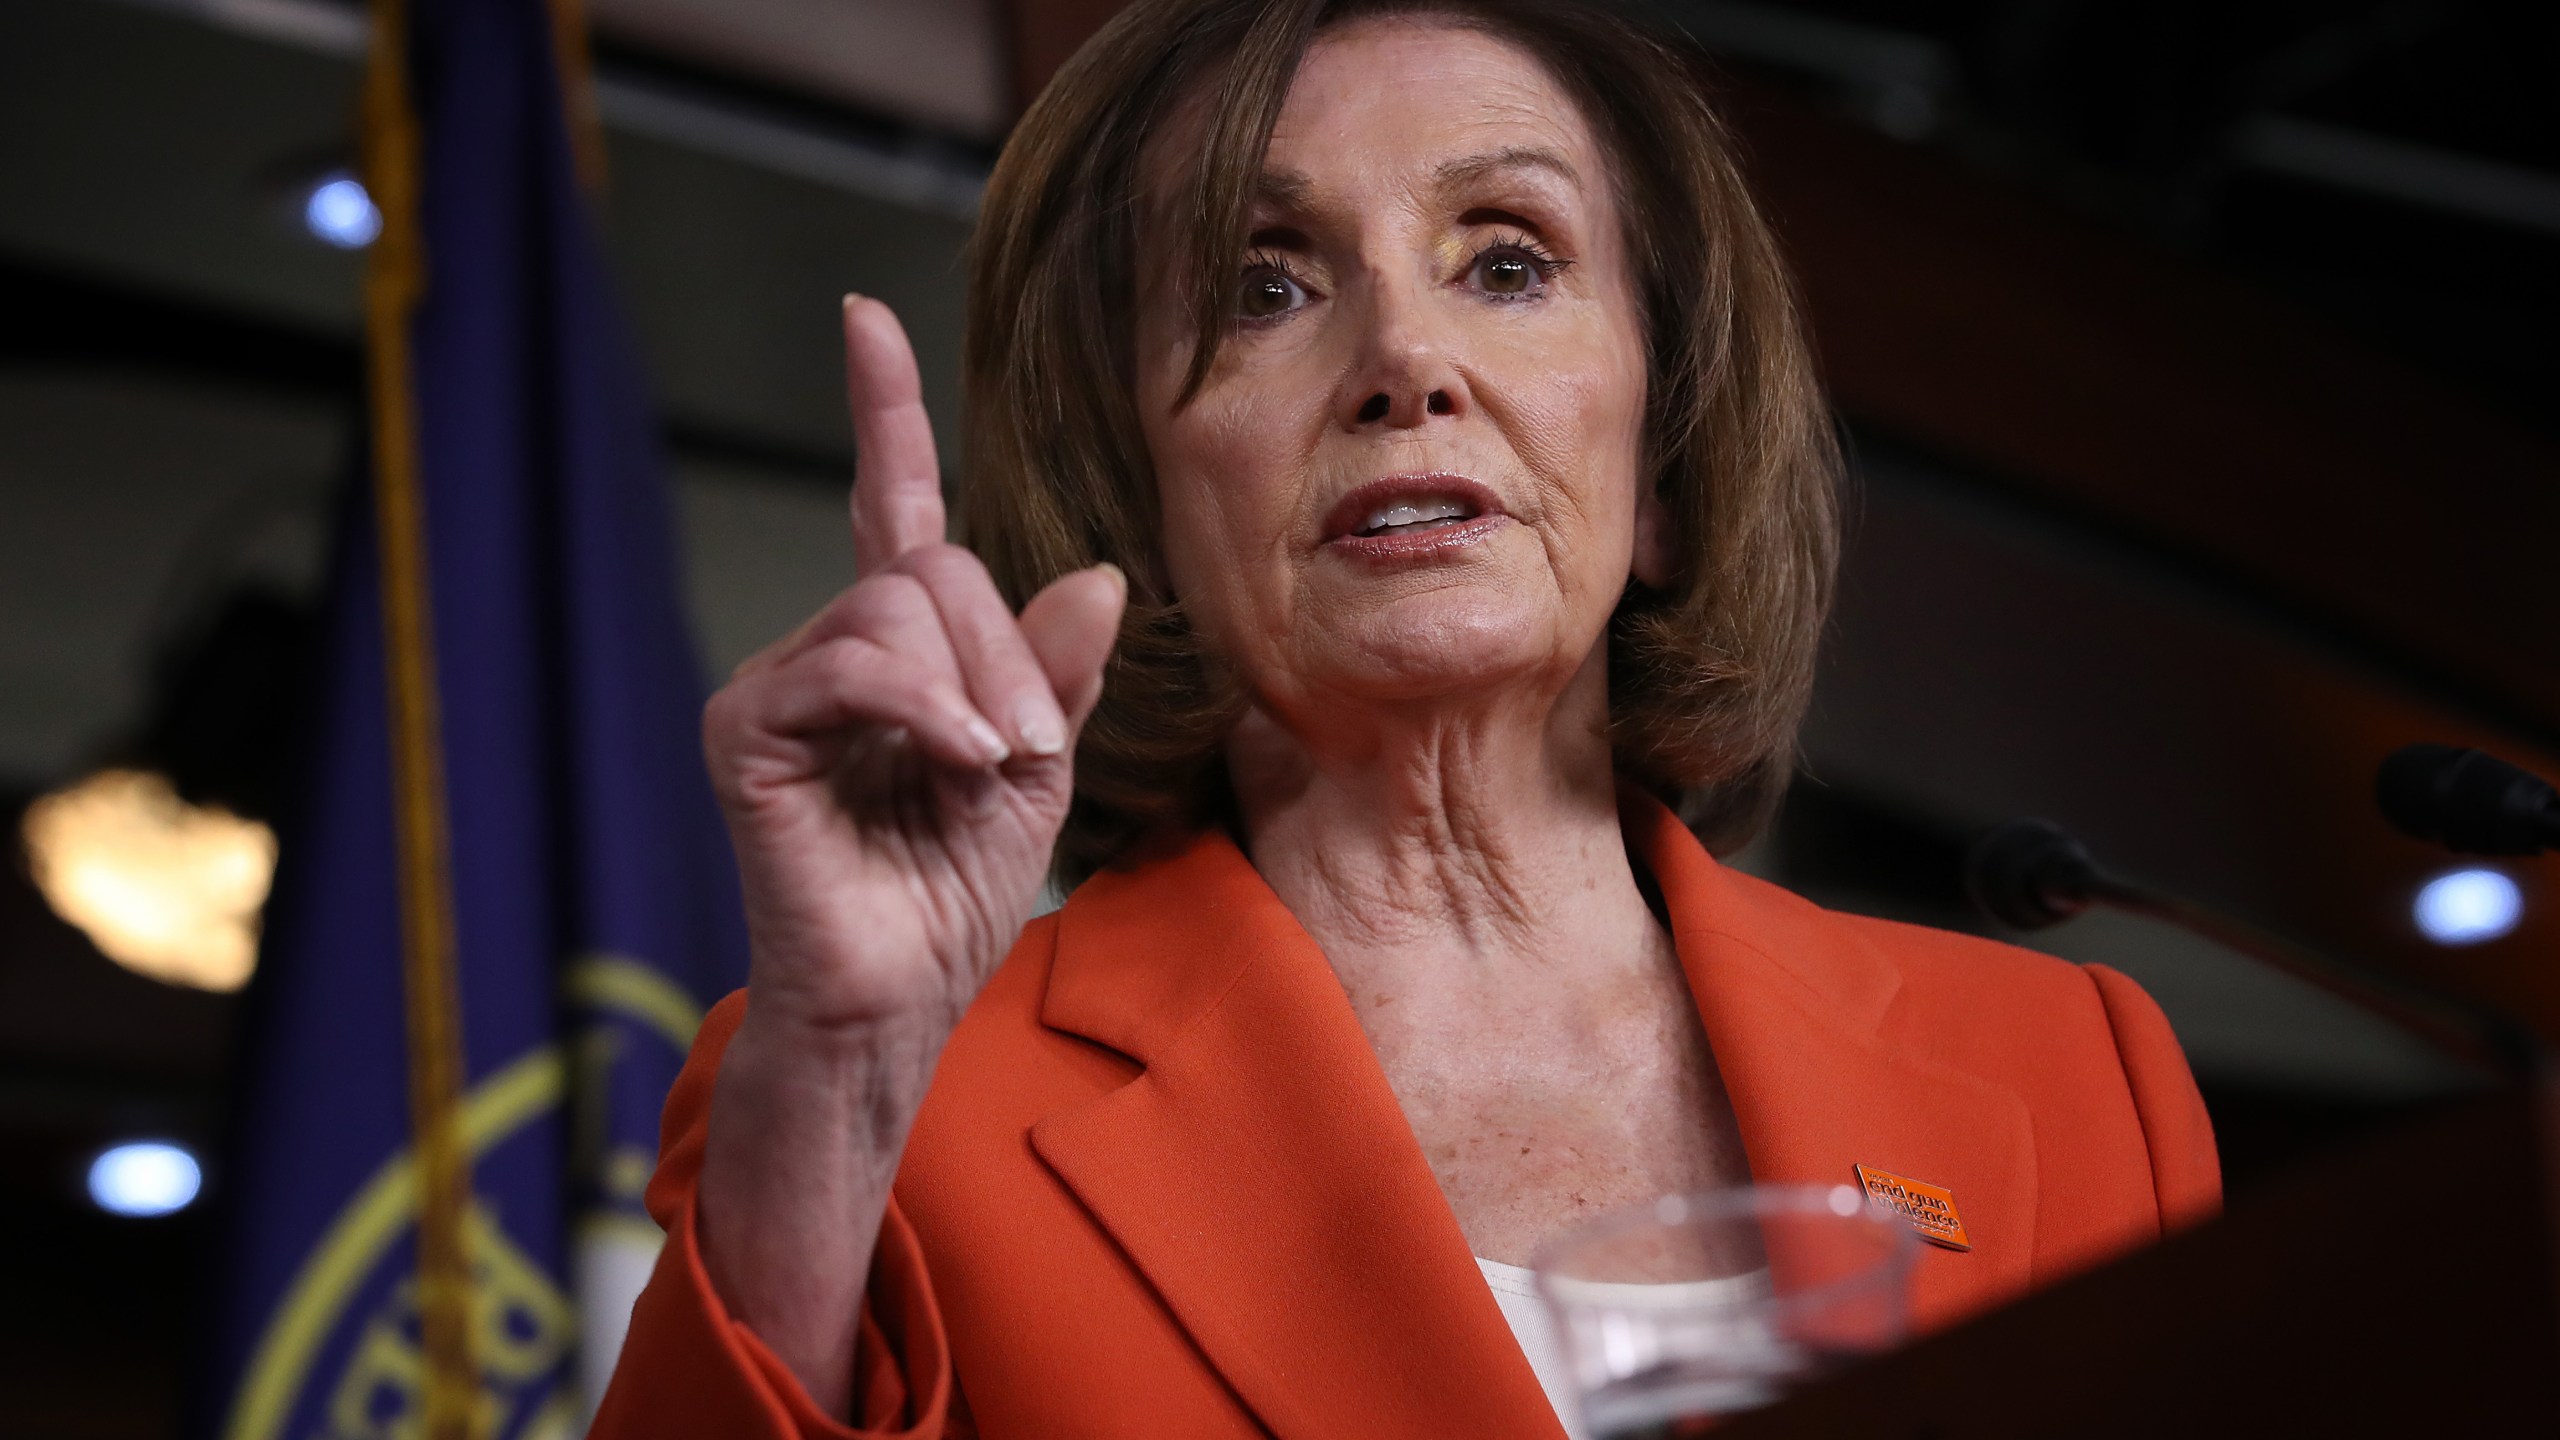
(897,484)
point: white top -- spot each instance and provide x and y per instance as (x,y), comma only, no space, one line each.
(1515,1289)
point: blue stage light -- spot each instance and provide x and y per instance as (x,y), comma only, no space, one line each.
(145,1177)
(2465,907)
(339,212)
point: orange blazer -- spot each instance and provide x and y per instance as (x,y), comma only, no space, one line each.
(1160,1186)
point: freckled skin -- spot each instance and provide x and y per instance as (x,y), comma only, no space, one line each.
(1424,775)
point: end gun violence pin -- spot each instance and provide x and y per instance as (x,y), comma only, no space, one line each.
(1930,1209)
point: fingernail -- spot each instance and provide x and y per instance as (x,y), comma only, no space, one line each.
(1042,728)
(1118,575)
(851,298)
(990,746)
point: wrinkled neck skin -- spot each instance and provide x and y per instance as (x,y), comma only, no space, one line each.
(1448,851)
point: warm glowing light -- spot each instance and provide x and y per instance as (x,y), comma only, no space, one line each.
(161,887)
(145,1177)
(2466,907)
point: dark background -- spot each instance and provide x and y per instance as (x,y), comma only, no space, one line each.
(2196,359)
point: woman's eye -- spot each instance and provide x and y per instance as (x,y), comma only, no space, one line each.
(1267,292)
(1513,268)
(1506,274)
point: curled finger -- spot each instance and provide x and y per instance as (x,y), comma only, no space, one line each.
(1071,627)
(849,683)
(893,611)
(996,663)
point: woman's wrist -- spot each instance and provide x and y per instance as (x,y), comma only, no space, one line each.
(854,1086)
(838,996)
(807,1127)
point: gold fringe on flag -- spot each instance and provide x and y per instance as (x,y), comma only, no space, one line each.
(578,111)
(395,280)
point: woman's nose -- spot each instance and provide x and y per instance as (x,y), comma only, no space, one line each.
(1381,406)
(1405,374)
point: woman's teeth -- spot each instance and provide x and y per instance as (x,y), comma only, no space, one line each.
(1406,514)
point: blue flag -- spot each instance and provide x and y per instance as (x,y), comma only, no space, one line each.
(591,894)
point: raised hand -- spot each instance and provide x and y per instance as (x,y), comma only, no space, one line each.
(896,770)
(894,773)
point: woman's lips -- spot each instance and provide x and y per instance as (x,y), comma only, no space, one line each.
(1408,515)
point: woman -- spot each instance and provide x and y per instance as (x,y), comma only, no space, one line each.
(1405,412)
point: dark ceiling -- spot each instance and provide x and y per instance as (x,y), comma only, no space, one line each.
(2429,225)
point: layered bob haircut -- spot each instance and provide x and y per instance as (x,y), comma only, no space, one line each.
(1708,675)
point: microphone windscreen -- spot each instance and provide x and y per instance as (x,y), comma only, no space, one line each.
(2028,874)
(2470,800)
(2411,788)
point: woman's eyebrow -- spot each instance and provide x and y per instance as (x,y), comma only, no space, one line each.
(1452,174)
(1286,190)
(1294,192)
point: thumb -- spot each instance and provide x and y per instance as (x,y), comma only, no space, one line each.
(1071,627)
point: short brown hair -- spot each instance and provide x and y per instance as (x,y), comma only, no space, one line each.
(1709,674)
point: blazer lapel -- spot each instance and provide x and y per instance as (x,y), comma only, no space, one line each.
(1260,1172)
(1262,1177)
(1799,1010)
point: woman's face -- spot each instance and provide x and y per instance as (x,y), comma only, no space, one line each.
(1412,473)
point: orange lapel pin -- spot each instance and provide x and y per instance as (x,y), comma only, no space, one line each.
(1931,1210)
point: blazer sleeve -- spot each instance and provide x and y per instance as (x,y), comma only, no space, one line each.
(688,1369)
(2186,1170)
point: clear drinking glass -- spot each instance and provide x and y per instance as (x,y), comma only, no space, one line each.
(1696,1306)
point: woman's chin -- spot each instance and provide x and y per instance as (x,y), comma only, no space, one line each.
(1416,650)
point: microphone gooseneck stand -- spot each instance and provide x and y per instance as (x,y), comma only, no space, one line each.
(2031,874)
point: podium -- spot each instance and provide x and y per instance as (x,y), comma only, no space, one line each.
(2408,1285)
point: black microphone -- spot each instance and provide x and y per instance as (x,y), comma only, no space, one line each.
(2469,800)
(2033,874)
(2030,874)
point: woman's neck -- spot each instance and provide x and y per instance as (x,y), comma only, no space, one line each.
(1446,850)
(1466,877)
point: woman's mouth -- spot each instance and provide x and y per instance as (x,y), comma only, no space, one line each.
(1409,515)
